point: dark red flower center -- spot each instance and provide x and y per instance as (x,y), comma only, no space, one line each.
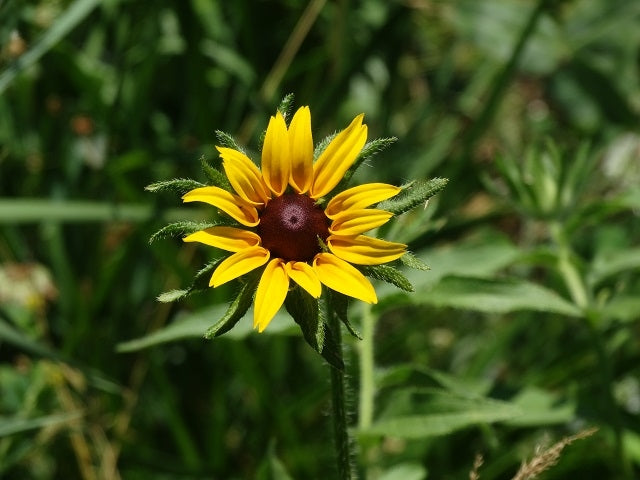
(290,226)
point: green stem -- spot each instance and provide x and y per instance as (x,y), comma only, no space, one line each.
(341,434)
(367,386)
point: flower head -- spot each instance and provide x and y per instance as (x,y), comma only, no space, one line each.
(288,223)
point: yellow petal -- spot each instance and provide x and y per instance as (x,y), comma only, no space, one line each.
(231,204)
(238,264)
(363,250)
(244,176)
(301,143)
(338,157)
(276,162)
(361,196)
(227,238)
(271,292)
(338,275)
(353,222)
(303,274)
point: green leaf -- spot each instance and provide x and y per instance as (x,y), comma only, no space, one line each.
(388,274)
(173,295)
(412,195)
(194,325)
(622,307)
(405,471)
(495,296)
(463,413)
(411,261)
(322,145)
(226,140)
(237,309)
(180,229)
(214,176)
(286,105)
(306,313)
(613,263)
(540,408)
(11,426)
(177,185)
(340,304)
(200,283)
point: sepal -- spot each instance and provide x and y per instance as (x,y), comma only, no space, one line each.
(286,105)
(412,195)
(388,274)
(306,313)
(227,141)
(411,261)
(369,150)
(179,229)
(200,283)
(214,176)
(237,309)
(176,185)
(340,304)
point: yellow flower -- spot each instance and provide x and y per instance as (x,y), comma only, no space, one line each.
(281,222)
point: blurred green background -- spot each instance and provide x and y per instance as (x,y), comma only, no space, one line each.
(525,330)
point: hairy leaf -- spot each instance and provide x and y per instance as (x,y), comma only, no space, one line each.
(411,261)
(412,195)
(179,229)
(388,274)
(214,176)
(176,185)
(237,309)
(340,304)
(226,140)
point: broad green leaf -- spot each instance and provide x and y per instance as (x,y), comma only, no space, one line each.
(194,325)
(443,423)
(11,426)
(405,471)
(481,256)
(613,263)
(622,307)
(495,296)
(540,408)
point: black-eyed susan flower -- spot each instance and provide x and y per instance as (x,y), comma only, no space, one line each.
(288,221)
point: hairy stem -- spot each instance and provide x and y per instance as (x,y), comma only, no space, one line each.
(338,400)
